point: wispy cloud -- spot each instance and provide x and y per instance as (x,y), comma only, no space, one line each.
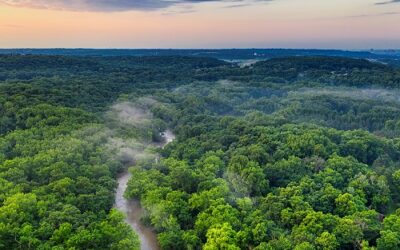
(375,14)
(388,2)
(237,5)
(114,5)
(179,11)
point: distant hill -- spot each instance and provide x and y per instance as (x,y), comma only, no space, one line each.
(225,54)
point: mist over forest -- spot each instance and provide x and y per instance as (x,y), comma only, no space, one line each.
(299,150)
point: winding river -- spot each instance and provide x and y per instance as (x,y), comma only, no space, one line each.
(132,208)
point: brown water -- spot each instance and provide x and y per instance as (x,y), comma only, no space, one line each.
(132,209)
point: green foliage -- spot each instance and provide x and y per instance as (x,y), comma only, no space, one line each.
(290,153)
(57,181)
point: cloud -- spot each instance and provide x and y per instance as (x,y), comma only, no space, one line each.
(112,5)
(375,15)
(238,5)
(388,2)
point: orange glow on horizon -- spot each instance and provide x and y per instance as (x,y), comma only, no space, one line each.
(286,23)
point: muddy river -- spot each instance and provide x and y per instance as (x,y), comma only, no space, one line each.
(133,210)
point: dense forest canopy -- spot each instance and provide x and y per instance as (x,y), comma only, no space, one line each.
(288,153)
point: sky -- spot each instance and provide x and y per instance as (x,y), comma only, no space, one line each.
(340,24)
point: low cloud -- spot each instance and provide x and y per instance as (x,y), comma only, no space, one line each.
(388,2)
(113,5)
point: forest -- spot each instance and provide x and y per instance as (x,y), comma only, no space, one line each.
(298,152)
(224,54)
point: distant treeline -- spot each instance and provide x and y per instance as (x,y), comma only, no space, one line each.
(227,54)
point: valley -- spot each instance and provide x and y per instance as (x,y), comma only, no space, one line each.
(288,153)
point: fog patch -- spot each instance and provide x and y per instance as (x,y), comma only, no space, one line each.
(383,95)
(129,114)
(242,63)
(247,63)
(133,113)
(131,125)
(130,151)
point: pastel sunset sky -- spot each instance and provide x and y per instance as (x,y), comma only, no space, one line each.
(344,24)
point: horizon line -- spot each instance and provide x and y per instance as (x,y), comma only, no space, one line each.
(198,48)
